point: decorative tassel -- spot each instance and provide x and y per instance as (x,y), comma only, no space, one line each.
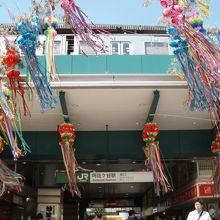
(9,180)
(67,133)
(153,161)
(77,20)
(16,83)
(50,24)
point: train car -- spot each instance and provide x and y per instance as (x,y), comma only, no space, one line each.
(121,40)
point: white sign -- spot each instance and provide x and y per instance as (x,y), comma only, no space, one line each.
(121,177)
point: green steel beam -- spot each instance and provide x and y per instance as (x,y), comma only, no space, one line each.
(64,106)
(122,144)
(153,106)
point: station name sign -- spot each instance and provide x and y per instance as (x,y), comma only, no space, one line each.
(107,177)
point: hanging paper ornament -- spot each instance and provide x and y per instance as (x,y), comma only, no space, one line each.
(216,145)
(153,160)
(198,56)
(11,59)
(150,132)
(9,180)
(27,41)
(9,124)
(16,83)
(76,18)
(50,24)
(67,133)
(197,23)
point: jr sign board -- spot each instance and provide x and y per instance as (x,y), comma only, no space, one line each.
(107,177)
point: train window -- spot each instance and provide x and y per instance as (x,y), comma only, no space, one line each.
(84,48)
(156,48)
(126,48)
(115,48)
(56,47)
(120,47)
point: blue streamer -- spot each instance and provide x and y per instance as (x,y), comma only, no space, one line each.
(27,41)
(197,87)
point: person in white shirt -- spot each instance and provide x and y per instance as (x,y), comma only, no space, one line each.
(199,213)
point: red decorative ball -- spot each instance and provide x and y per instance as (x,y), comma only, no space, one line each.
(215,147)
(67,132)
(11,59)
(11,74)
(150,132)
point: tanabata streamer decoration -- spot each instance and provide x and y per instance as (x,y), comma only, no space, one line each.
(216,150)
(10,60)
(67,133)
(201,6)
(9,180)
(50,24)
(27,41)
(198,56)
(153,161)
(88,33)
(10,127)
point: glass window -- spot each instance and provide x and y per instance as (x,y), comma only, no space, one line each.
(120,48)
(115,48)
(156,48)
(56,47)
(84,48)
(126,48)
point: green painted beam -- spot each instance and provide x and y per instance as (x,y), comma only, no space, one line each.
(64,106)
(153,106)
(91,145)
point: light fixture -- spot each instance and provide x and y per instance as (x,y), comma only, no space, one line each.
(131,187)
(100,191)
(24,162)
(84,162)
(194,123)
(100,187)
(133,162)
(98,164)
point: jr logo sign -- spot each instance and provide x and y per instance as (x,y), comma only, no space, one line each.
(83,177)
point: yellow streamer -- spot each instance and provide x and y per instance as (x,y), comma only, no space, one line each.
(179,74)
(204,12)
(203,4)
